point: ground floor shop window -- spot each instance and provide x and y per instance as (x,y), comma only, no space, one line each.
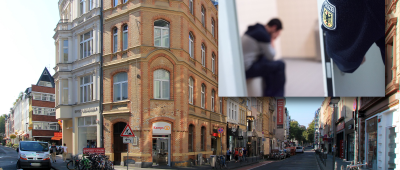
(87,133)
(372,143)
(390,150)
(350,147)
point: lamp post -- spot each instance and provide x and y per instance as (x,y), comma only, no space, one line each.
(333,103)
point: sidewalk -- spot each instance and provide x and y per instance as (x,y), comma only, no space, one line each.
(230,165)
(59,164)
(329,160)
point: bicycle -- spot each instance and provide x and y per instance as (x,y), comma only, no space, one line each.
(85,164)
(73,163)
(220,162)
(355,167)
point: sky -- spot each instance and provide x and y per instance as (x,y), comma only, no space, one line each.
(26,45)
(302,109)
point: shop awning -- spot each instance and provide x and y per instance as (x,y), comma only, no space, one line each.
(56,138)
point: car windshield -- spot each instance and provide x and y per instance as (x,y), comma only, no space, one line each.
(299,148)
(34,146)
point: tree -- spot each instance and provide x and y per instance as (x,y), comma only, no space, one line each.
(2,124)
(12,136)
(295,132)
(310,132)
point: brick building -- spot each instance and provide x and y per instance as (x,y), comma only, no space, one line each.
(160,71)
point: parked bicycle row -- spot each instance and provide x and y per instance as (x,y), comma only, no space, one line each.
(90,162)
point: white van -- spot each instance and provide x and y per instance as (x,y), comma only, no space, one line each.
(33,154)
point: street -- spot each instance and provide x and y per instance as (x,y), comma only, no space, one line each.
(8,158)
(300,161)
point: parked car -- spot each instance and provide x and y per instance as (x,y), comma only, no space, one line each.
(299,149)
(287,153)
(33,154)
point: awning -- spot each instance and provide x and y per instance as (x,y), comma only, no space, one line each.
(56,138)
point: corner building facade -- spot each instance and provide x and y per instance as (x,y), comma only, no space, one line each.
(160,77)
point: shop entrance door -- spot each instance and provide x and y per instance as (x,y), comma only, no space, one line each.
(118,145)
(160,149)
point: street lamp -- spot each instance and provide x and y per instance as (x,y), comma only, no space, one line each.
(333,103)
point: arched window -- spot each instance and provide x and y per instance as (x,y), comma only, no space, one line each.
(161,33)
(203,16)
(191,6)
(161,84)
(125,37)
(190,138)
(203,55)
(120,86)
(213,63)
(212,26)
(115,40)
(203,96)
(191,45)
(191,90)
(203,138)
(212,100)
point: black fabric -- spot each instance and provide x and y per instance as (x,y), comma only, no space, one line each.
(359,24)
(273,74)
(259,33)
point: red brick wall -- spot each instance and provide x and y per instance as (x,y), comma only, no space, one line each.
(43,89)
(44,118)
(43,132)
(40,103)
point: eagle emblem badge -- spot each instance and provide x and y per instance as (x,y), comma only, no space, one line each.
(328,14)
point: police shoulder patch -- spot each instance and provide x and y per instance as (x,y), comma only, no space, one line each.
(328,15)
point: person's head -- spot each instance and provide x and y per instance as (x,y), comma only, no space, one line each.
(53,144)
(65,144)
(274,27)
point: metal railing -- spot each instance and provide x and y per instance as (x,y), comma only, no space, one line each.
(322,156)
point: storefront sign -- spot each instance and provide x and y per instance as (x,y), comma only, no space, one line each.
(86,110)
(94,150)
(161,128)
(340,126)
(280,113)
(57,134)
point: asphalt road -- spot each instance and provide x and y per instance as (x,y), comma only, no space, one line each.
(300,161)
(8,158)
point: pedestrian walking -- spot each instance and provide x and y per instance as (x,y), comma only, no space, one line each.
(228,155)
(53,151)
(245,154)
(236,154)
(65,152)
(241,155)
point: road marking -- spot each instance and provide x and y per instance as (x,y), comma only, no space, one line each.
(260,165)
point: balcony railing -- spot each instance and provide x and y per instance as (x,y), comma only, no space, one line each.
(62,25)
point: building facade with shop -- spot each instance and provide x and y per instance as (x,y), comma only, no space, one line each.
(160,71)
(77,73)
(269,107)
(326,125)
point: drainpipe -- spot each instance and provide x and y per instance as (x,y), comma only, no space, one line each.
(101,76)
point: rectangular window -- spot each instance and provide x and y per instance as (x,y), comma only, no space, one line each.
(191,6)
(64,98)
(115,42)
(213,64)
(220,106)
(87,121)
(86,88)
(82,7)
(161,37)
(212,101)
(115,3)
(45,125)
(212,27)
(90,5)
(125,39)
(86,44)
(203,16)
(65,50)
(43,111)
(43,97)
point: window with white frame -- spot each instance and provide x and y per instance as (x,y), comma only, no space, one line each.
(125,1)
(90,5)
(45,83)
(86,88)
(232,111)
(191,6)
(115,3)
(191,90)
(203,96)
(82,7)
(44,97)
(213,63)
(161,33)
(203,55)
(191,45)
(120,86)
(86,45)
(212,100)
(212,26)
(45,125)
(43,111)
(125,37)
(65,51)
(87,121)
(115,40)
(203,16)
(161,84)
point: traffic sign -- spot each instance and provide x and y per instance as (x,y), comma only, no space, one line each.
(220,130)
(127,132)
(127,139)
